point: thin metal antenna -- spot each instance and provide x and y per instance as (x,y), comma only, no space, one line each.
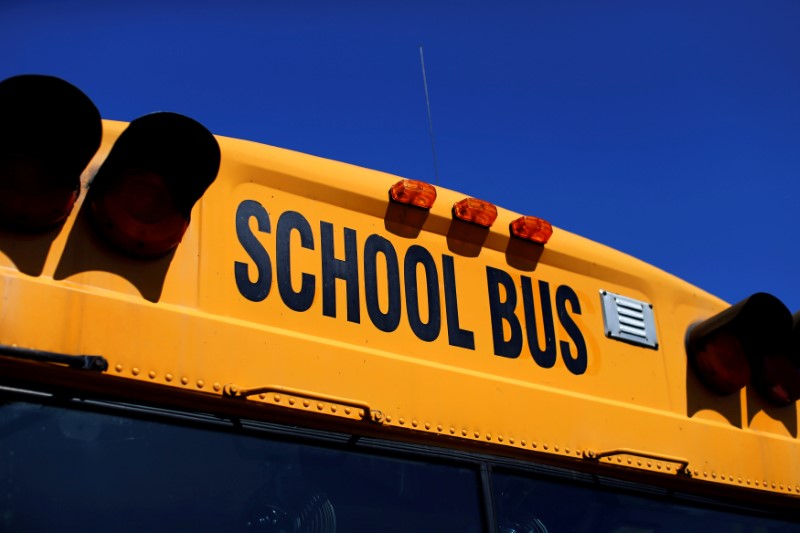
(430,119)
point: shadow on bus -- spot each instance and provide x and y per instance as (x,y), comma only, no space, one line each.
(787,416)
(28,252)
(700,398)
(84,252)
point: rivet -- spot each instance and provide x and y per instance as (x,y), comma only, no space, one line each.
(544,445)
(464,432)
(630,461)
(638,463)
(414,423)
(765,483)
(477,434)
(566,450)
(291,400)
(658,465)
(452,430)
(347,410)
(511,440)
(534,444)
(522,443)
(388,417)
(747,481)
(263,396)
(135,371)
(773,484)
(488,436)
(118,368)
(781,485)
(168,377)
(740,481)
(427,425)
(217,387)
(185,380)
(306,403)
(649,464)
(619,459)
(333,409)
(320,406)
(151,374)
(696,472)
(200,383)
(705,474)
(555,447)
(500,438)
(277,398)
(402,421)
(439,428)
(669,468)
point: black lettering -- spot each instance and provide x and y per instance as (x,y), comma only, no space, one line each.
(389,320)
(455,335)
(257,290)
(417,255)
(503,311)
(546,357)
(345,269)
(296,300)
(577,363)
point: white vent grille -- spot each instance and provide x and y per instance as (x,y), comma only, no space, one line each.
(628,320)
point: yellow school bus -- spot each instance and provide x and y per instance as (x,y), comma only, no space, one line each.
(201,333)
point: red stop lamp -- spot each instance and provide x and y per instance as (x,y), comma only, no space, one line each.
(413,192)
(475,211)
(726,349)
(532,229)
(49,131)
(141,199)
(778,374)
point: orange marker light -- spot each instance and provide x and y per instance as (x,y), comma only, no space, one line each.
(413,192)
(475,211)
(532,229)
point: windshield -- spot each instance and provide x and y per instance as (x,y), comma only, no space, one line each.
(70,469)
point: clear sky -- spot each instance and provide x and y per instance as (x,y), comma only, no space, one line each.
(668,129)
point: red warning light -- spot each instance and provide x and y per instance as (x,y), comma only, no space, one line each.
(49,130)
(142,197)
(749,339)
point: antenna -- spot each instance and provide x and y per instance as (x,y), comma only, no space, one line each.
(430,119)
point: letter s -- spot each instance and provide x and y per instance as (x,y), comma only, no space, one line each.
(257,290)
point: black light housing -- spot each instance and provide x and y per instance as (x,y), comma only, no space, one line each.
(49,131)
(141,199)
(750,339)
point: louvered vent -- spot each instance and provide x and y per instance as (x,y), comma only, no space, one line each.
(628,320)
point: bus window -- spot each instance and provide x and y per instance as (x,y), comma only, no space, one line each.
(535,505)
(79,470)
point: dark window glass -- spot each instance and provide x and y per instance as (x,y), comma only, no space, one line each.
(533,505)
(74,470)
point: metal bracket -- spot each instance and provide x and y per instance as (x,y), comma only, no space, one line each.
(642,460)
(301,399)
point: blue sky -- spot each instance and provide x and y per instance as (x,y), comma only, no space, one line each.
(667,129)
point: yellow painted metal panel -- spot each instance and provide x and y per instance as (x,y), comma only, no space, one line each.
(424,334)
